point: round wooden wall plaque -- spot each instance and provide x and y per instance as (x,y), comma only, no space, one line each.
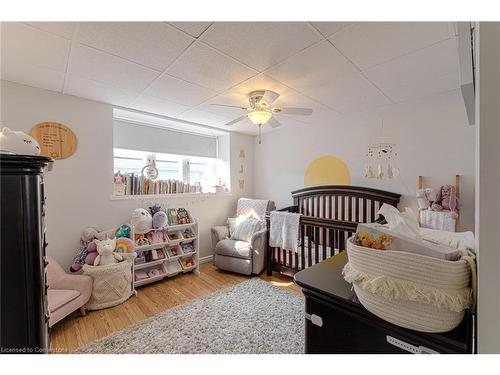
(56,140)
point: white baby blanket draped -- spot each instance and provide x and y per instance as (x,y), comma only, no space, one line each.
(284,231)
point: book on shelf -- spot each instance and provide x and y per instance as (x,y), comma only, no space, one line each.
(137,184)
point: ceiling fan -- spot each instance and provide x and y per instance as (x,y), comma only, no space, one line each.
(261,112)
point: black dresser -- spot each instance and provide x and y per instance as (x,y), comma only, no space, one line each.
(337,323)
(23,288)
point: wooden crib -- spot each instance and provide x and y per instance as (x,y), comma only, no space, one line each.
(330,215)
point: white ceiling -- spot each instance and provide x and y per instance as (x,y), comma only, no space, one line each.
(178,69)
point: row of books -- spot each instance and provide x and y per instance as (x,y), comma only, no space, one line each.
(137,184)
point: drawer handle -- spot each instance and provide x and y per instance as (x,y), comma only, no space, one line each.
(410,348)
(315,319)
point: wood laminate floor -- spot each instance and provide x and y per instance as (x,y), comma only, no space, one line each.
(77,330)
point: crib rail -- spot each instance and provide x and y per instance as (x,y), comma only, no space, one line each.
(329,216)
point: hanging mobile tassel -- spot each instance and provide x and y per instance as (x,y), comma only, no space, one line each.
(260,139)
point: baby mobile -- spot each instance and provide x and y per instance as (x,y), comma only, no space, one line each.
(382,154)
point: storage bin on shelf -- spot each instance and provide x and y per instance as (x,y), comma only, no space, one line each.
(145,276)
(411,290)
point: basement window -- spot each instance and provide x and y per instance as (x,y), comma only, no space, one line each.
(152,159)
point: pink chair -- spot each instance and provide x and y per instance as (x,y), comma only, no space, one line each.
(66,293)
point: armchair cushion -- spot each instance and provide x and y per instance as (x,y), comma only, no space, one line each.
(60,297)
(218,234)
(233,248)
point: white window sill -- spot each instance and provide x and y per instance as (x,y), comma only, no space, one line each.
(169,196)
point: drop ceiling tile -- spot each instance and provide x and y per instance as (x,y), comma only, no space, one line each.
(63,29)
(329,28)
(260,44)
(179,91)
(31,75)
(194,29)
(353,93)
(416,90)
(206,67)
(201,116)
(89,89)
(370,43)
(238,95)
(109,70)
(432,69)
(28,46)
(152,44)
(158,106)
(313,69)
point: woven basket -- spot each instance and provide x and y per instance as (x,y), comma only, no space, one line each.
(411,290)
(112,284)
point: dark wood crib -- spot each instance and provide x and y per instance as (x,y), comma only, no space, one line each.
(330,215)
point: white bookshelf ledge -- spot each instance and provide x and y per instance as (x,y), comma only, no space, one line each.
(163,196)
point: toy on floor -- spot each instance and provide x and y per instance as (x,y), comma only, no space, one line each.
(141,220)
(446,199)
(17,142)
(105,249)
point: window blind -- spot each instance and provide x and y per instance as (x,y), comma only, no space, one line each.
(134,136)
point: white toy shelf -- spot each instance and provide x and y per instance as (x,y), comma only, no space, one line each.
(171,265)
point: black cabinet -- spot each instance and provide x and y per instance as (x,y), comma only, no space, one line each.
(23,286)
(337,323)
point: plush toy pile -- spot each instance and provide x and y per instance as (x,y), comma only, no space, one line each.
(444,199)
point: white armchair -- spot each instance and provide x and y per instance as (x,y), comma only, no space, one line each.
(240,256)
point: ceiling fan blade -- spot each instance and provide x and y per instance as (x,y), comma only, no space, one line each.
(230,106)
(294,111)
(236,120)
(273,123)
(269,97)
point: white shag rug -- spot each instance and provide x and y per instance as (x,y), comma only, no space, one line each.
(250,317)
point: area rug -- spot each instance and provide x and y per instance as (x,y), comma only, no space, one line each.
(250,317)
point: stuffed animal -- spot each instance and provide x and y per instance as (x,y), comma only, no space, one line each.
(91,253)
(105,249)
(154,209)
(446,199)
(87,249)
(141,220)
(123,231)
(17,142)
(160,219)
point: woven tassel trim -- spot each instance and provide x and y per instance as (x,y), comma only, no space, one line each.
(396,289)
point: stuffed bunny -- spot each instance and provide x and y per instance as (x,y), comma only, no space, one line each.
(105,249)
(446,199)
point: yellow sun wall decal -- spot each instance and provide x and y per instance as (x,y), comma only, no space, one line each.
(327,170)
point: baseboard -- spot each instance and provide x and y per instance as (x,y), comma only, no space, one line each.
(205,259)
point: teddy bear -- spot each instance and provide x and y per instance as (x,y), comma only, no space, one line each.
(105,249)
(446,199)
(18,142)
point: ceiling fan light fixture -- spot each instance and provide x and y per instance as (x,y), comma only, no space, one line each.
(259,117)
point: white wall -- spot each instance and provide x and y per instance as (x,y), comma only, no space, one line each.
(79,188)
(433,140)
(488,187)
